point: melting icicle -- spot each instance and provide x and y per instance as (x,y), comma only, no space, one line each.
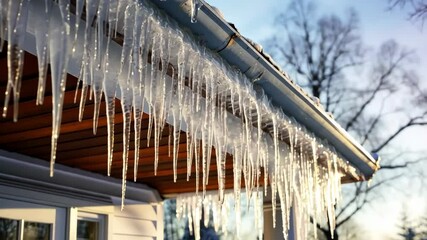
(109,90)
(126,94)
(58,40)
(98,58)
(190,207)
(3,5)
(137,86)
(110,98)
(79,11)
(42,39)
(164,72)
(17,13)
(195,5)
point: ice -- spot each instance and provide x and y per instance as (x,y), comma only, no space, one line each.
(3,7)
(225,215)
(130,51)
(42,36)
(110,99)
(58,40)
(78,14)
(195,5)
(16,21)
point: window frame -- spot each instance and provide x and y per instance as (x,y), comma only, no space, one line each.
(21,226)
(24,211)
(99,218)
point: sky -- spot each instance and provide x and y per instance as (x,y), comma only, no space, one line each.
(255,19)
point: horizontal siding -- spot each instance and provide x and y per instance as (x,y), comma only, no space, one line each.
(128,226)
(137,211)
(129,237)
(135,221)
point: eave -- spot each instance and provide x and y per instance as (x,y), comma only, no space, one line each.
(219,36)
(80,150)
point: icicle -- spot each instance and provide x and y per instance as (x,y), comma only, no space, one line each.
(41,34)
(101,26)
(137,129)
(165,72)
(137,86)
(97,86)
(126,140)
(110,98)
(58,40)
(125,90)
(98,58)
(189,149)
(191,207)
(79,11)
(195,5)
(87,61)
(3,5)
(16,24)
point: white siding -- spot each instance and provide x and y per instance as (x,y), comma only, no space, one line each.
(27,211)
(137,211)
(137,221)
(70,192)
(124,237)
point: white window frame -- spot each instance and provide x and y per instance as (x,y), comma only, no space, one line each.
(21,224)
(29,212)
(75,215)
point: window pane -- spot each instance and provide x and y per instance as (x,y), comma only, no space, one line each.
(8,229)
(36,231)
(87,230)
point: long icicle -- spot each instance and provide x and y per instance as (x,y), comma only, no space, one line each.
(16,24)
(58,40)
(179,82)
(42,38)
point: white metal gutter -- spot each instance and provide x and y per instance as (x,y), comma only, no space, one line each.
(21,169)
(218,35)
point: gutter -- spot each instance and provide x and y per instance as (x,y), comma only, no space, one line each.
(29,172)
(219,36)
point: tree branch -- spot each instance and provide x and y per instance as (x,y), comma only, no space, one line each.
(381,82)
(359,206)
(403,165)
(410,123)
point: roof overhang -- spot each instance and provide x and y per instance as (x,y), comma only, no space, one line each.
(216,34)
(26,172)
(219,36)
(286,140)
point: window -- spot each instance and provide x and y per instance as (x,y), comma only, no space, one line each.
(11,229)
(87,230)
(90,226)
(8,229)
(21,220)
(36,231)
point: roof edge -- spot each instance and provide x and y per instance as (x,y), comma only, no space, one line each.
(219,36)
(72,179)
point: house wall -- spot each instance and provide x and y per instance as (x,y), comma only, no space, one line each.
(137,222)
(25,198)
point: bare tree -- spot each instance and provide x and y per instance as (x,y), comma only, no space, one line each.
(319,52)
(418,8)
(407,231)
(327,57)
(423,228)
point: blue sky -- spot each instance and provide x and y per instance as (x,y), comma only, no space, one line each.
(255,20)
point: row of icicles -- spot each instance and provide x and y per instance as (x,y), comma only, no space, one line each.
(161,70)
